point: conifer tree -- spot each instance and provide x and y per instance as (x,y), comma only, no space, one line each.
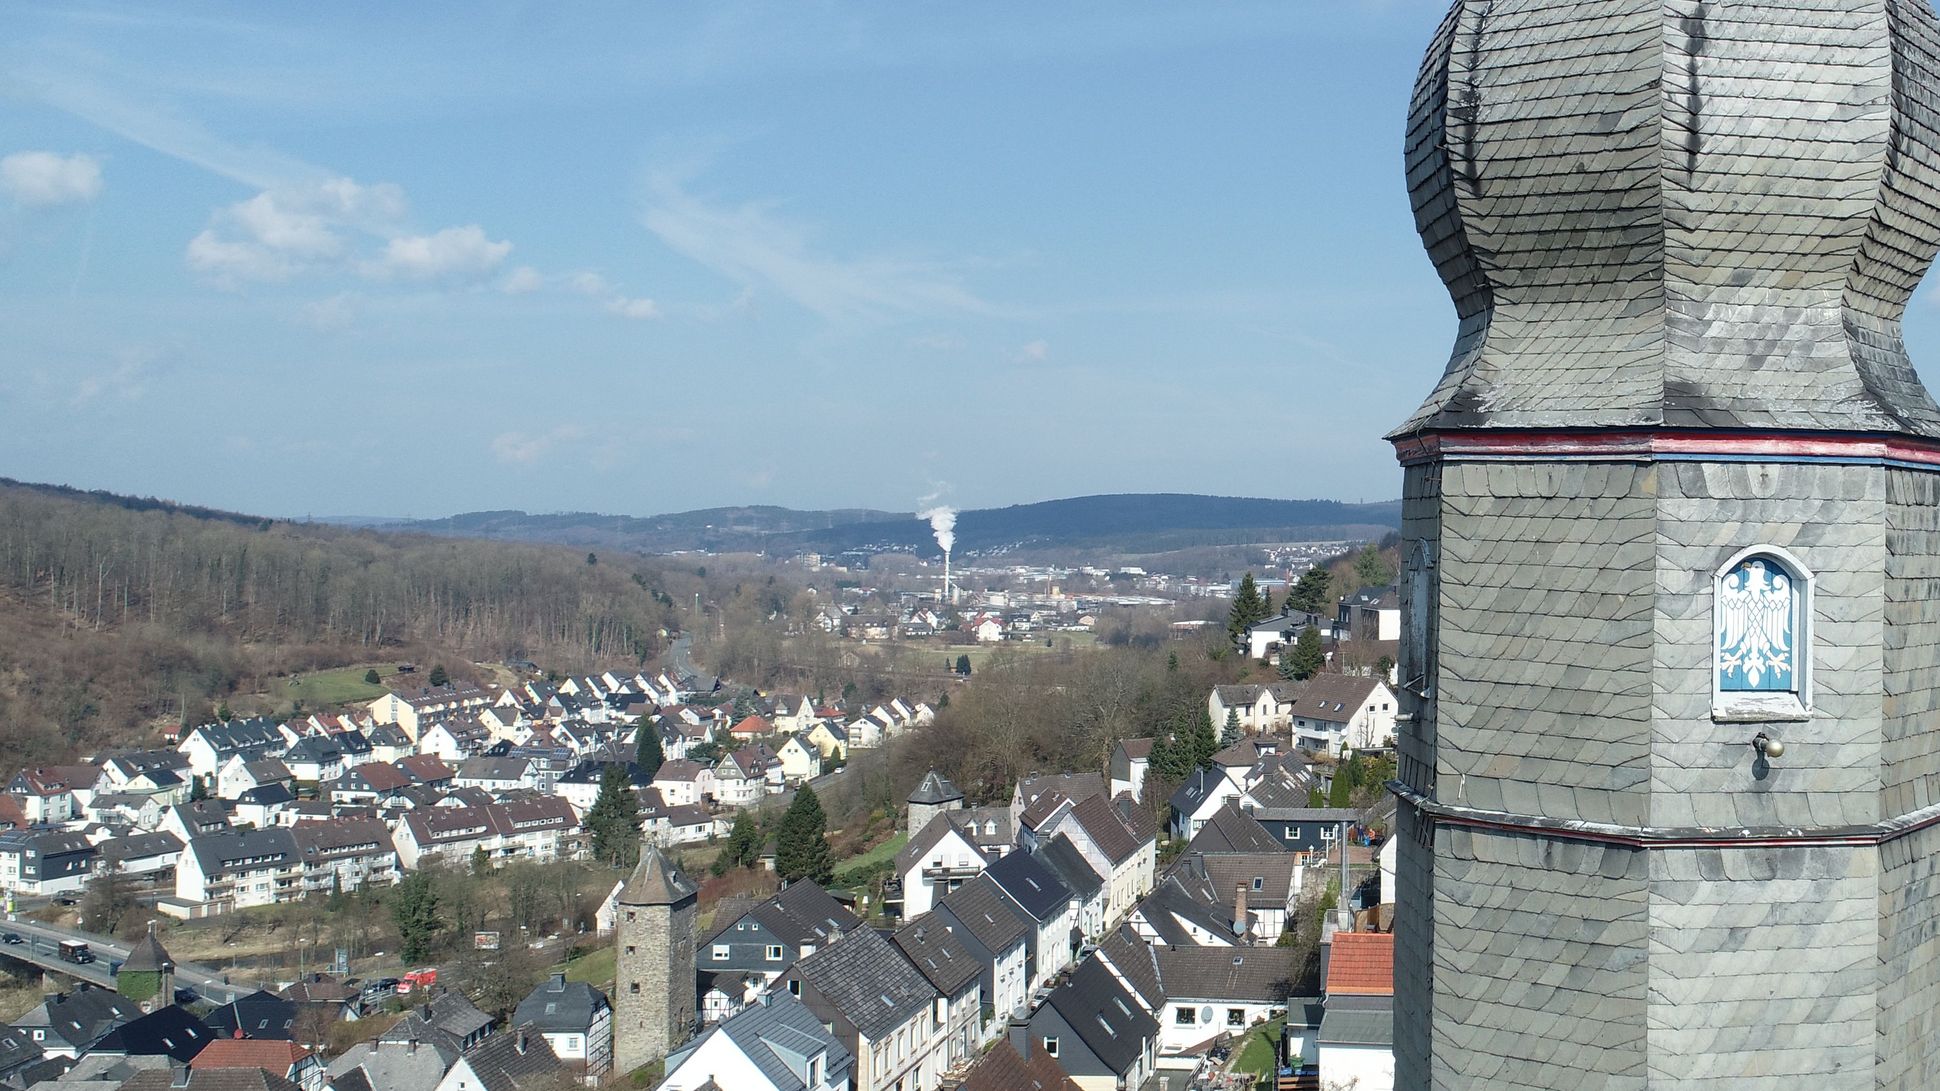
(614,820)
(414,908)
(648,754)
(1229,734)
(1310,594)
(1305,658)
(1249,609)
(801,841)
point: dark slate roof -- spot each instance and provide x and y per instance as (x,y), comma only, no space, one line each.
(1228,830)
(656,881)
(81,1016)
(1073,786)
(803,913)
(1063,857)
(136,846)
(1004,1069)
(147,954)
(1113,1023)
(935,788)
(212,1079)
(1137,962)
(214,850)
(17,1050)
(1357,1025)
(1032,884)
(980,906)
(1260,974)
(932,945)
(774,1033)
(261,1014)
(559,1006)
(925,839)
(1108,831)
(391,1066)
(165,1032)
(1199,785)
(1274,870)
(268,795)
(447,1021)
(516,1060)
(868,981)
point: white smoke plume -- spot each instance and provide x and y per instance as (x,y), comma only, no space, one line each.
(943,523)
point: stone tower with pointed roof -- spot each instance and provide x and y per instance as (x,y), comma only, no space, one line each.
(653,968)
(147,975)
(1670,666)
(933,795)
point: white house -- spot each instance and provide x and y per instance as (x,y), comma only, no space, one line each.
(1336,713)
(776,1044)
(937,860)
(800,760)
(577,1022)
(240,868)
(684,783)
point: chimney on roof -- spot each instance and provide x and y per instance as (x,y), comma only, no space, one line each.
(522,1042)
(178,1074)
(1239,909)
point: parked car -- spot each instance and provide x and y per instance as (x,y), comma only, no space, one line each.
(12,939)
(187,996)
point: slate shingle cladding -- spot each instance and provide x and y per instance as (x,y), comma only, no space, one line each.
(1693,227)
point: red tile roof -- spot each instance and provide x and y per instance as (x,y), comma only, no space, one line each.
(264,1053)
(1361,963)
(753,726)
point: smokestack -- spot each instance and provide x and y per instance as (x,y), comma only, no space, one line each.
(943,524)
(1239,909)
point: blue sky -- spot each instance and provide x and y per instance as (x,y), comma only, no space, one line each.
(418,259)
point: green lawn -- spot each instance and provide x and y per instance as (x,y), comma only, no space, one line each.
(1258,1052)
(595,968)
(324,689)
(880,854)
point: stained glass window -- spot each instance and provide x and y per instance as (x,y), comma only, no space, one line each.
(1759,623)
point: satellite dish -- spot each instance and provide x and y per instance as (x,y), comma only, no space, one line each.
(1206,1014)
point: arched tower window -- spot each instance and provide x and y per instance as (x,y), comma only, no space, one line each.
(1762,647)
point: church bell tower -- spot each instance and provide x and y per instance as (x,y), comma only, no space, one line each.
(1669,767)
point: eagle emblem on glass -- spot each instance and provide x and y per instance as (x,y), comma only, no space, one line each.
(1757,628)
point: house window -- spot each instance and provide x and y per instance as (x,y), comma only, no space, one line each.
(1235,1017)
(1761,652)
(794,987)
(774,952)
(1259,882)
(633,987)
(1051,1044)
(720,952)
(1186,1017)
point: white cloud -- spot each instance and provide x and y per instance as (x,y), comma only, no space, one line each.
(633,308)
(282,231)
(750,244)
(454,254)
(525,448)
(598,287)
(44,179)
(1033,352)
(522,281)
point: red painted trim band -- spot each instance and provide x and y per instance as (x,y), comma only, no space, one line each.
(1664,443)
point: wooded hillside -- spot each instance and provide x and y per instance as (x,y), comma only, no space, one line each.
(114,613)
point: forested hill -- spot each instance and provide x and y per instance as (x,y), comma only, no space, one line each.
(116,612)
(1128,521)
(714,530)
